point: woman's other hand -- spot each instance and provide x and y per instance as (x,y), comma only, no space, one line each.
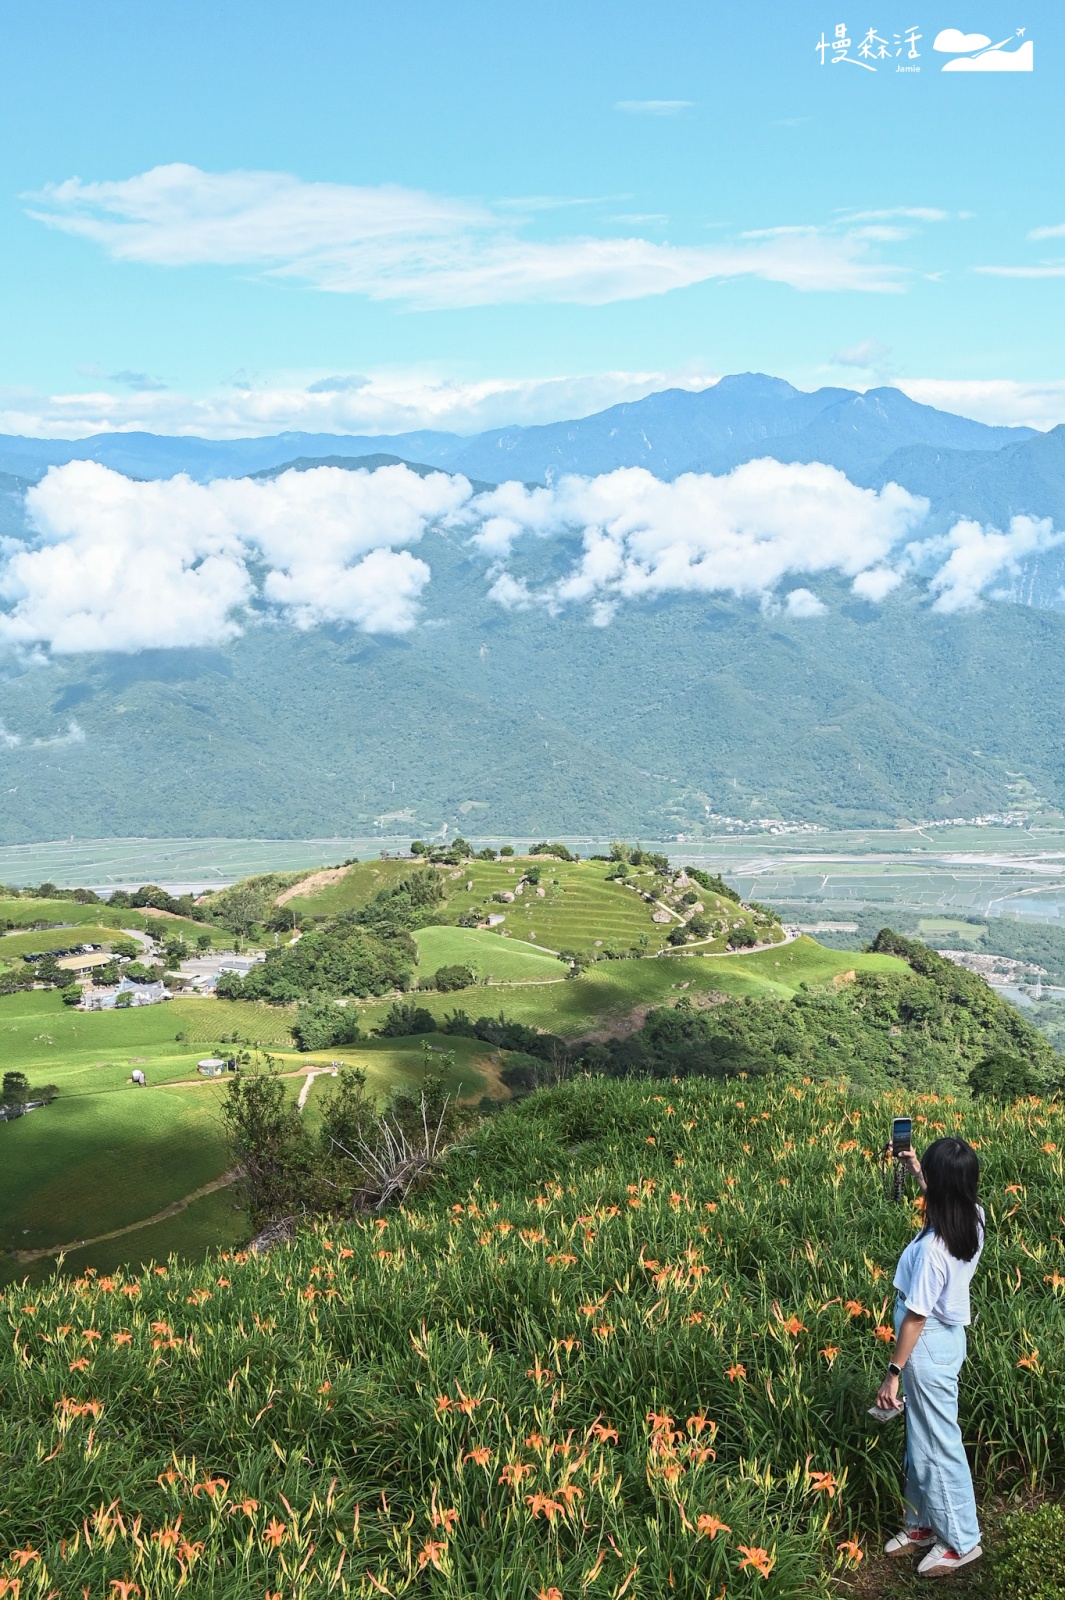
(887,1396)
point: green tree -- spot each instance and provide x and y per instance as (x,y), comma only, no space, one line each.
(321,1022)
(404,1018)
(15,1092)
(269,1143)
(453,977)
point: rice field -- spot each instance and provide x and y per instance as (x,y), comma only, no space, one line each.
(623,1349)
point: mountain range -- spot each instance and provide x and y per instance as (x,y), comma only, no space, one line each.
(527,721)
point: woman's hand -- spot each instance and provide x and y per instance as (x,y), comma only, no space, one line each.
(887,1396)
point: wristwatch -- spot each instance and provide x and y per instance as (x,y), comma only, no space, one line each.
(896,1372)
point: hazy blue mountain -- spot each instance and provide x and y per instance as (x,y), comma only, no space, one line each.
(989,485)
(672,432)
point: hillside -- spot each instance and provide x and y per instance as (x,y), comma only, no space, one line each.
(624,1346)
(482,721)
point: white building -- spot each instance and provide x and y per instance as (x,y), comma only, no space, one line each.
(140,994)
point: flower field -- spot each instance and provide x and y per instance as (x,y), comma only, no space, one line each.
(624,1348)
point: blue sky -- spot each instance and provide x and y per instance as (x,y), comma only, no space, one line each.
(364,217)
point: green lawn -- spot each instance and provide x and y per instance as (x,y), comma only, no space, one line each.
(609,992)
(488,956)
(73,921)
(13,946)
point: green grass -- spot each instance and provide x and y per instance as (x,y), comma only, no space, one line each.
(358,885)
(610,993)
(69,914)
(487,955)
(13,946)
(599,1297)
(579,909)
(94,1162)
(936,929)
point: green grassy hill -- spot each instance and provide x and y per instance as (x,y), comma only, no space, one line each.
(623,1348)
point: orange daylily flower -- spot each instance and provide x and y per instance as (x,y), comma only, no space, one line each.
(709,1527)
(125,1587)
(481,1455)
(755,1556)
(23,1556)
(884,1333)
(854,1308)
(549,1594)
(830,1352)
(793,1326)
(121,1338)
(737,1370)
(249,1507)
(513,1473)
(534,1440)
(824,1483)
(210,1487)
(542,1504)
(851,1549)
(80,1364)
(603,1433)
(431,1552)
(274,1532)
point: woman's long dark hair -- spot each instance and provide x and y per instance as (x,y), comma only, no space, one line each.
(952,1172)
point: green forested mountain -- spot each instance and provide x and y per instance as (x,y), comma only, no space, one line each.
(520,722)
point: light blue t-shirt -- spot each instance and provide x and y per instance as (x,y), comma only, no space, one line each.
(934,1283)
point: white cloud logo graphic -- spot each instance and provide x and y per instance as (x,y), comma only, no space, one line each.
(974,52)
(953,40)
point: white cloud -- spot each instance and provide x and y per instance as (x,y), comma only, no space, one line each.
(387,402)
(1055,232)
(951,39)
(427,251)
(979,556)
(1001,401)
(653,108)
(740,534)
(914,213)
(876,584)
(124,566)
(1056,270)
(804,603)
(9,741)
(866,354)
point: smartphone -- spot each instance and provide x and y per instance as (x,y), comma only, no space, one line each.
(887,1416)
(901,1135)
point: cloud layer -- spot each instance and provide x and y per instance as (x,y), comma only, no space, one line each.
(427,251)
(741,534)
(118,565)
(125,566)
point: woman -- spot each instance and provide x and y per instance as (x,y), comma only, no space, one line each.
(931,1315)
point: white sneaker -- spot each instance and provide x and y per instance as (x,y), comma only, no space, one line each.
(941,1560)
(910,1539)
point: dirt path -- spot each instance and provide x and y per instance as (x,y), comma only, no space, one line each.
(24,1257)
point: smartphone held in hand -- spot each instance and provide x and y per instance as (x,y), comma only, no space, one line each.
(880,1415)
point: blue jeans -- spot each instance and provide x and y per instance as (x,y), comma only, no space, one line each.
(939,1485)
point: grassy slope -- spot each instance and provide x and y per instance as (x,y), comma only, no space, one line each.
(579,909)
(611,993)
(69,918)
(603,1256)
(487,956)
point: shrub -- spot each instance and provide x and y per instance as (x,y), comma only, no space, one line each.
(742,938)
(699,925)
(554,848)
(321,1022)
(677,935)
(714,883)
(454,977)
(403,1018)
(1030,1560)
(507,850)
